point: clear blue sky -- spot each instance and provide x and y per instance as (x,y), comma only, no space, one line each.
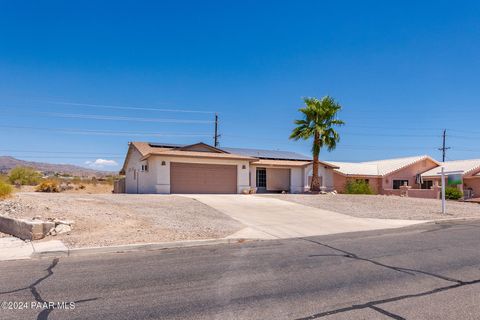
(402,70)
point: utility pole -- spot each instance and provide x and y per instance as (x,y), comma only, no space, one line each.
(444,148)
(216,136)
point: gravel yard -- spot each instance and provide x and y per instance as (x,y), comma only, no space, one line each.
(384,207)
(113,219)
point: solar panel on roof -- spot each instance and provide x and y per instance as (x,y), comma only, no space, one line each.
(268,154)
(257,153)
(165,145)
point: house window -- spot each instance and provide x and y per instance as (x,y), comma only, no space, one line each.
(164,163)
(428,184)
(144,167)
(398,183)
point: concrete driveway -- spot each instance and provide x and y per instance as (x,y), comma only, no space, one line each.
(269,218)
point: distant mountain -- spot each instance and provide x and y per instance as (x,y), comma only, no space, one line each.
(7,163)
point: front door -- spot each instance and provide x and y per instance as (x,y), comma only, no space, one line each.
(261,180)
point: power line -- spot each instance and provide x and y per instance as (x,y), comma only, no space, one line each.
(61,157)
(61,152)
(463,137)
(101,106)
(107,132)
(121,118)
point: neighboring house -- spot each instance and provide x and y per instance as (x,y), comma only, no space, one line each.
(201,168)
(470,176)
(384,175)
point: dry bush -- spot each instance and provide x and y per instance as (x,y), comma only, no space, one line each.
(5,189)
(48,186)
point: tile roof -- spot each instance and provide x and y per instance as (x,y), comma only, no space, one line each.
(354,168)
(467,166)
(378,167)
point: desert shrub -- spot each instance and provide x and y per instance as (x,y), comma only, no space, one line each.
(453,193)
(48,186)
(24,176)
(5,189)
(81,187)
(358,187)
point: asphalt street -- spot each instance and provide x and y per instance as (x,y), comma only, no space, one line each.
(427,271)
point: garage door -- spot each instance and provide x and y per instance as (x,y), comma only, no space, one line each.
(202,178)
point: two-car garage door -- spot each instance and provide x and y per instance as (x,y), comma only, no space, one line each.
(202,178)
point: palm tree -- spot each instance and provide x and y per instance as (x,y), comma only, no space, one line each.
(319,120)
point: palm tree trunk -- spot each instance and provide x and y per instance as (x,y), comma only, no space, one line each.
(315,187)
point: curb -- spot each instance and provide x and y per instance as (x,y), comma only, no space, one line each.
(135,247)
(454,219)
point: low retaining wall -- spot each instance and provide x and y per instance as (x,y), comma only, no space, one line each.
(25,229)
(392,192)
(424,193)
(414,193)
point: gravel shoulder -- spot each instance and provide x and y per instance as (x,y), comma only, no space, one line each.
(383,207)
(115,219)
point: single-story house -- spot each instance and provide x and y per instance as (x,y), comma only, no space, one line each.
(202,168)
(470,175)
(384,175)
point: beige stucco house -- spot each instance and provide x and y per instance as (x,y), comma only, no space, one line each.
(201,168)
(470,175)
(383,176)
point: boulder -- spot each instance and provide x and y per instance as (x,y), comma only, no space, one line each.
(62,228)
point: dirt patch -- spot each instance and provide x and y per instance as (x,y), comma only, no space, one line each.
(114,219)
(384,207)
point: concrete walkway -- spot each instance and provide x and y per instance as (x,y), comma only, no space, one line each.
(12,248)
(269,218)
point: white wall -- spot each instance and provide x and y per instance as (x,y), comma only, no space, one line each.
(297,180)
(325,173)
(136,180)
(296,177)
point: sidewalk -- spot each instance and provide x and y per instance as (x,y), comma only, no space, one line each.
(12,248)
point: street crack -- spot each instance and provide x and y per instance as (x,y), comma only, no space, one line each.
(43,315)
(374,304)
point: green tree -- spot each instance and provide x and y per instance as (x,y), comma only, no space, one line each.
(319,122)
(24,176)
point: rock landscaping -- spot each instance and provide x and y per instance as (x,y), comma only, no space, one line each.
(384,207)
(113,219)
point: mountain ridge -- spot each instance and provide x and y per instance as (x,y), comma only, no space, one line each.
(7,163)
